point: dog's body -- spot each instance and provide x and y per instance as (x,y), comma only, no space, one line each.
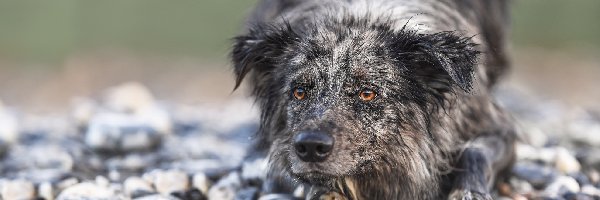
(376,99)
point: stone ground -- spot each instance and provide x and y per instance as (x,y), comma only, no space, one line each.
(106,146)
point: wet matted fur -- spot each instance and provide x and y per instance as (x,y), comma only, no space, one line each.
(432,131)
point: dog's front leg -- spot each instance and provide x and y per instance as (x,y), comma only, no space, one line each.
(479,162)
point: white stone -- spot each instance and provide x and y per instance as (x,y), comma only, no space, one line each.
(566,182)
(590,190)
(82,111)
(256,169)
(9,127)
(102,181)
(171,181)
(565,162)
(129,97)
(86,190)
(136,184)
(46,191)
(17,190)
(157,197)
(201,182)
(226,188)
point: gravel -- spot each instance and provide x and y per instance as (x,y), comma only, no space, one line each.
(128,145)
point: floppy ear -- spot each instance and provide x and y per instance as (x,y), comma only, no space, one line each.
(259,49)
(440,59)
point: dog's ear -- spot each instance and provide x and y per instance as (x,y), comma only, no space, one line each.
(440,59)
(259,48)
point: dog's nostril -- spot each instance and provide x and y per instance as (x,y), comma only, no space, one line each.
(313,146)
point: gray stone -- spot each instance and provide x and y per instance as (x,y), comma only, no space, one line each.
(250,193)
(539,176)
(277,197)
(17,189)
(86,190)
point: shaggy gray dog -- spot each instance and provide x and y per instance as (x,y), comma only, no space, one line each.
(374,99)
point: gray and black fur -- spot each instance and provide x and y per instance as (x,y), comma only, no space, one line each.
(432,131)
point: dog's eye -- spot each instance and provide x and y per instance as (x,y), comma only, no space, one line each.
(299,93)
(367,95)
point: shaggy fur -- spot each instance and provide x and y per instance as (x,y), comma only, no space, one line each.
(432,132)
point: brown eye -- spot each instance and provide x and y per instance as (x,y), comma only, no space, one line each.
(299,93)
(367,95)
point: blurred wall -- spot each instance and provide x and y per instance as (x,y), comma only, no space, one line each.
(53,50)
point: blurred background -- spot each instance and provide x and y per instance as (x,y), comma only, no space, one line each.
(52,51)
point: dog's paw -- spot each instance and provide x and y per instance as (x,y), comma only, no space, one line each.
(468,195)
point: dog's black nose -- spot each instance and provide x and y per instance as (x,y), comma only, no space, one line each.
(313,146)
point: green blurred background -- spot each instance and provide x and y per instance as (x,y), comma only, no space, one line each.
(171,44)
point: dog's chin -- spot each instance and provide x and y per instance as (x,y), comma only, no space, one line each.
(315,173)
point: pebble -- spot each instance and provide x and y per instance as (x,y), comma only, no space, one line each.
(255,169)
(17,189)
(9,127)
(66,183)
(102,181)
(46,191)
(565,162)
(250,193)
(590,190)
(137,187)
(277,197)
(157,197)
(201,182)
(539,176)
(561,185)
(226,188)
(86,190)
(120,132)
(167,182)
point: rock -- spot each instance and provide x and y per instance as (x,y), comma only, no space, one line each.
(277,197)
(581,178)
(167,182)
(66,183)
(82,111)
(255,169)
(9,127)
(86,190)
(17,190)
(521,186)
(201,182)
(114,175)
(577,196)
(193,194)
(565,162)
(590,190)
(527,152)
(593,175)
(538,176)
(561,185)
(102,181)
(136,99)
(4,146)
(250,193)
(226,188)
(137,187)
(157,197)
(46,191)
(120,132)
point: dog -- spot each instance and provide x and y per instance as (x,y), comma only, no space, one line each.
(379,99)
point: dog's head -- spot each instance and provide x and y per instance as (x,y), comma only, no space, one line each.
(348,97)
